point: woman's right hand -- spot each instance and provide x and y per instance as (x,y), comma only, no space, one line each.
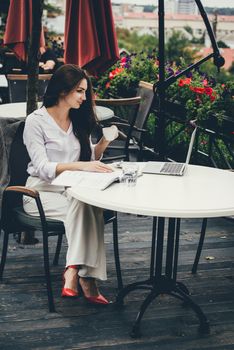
(96,166)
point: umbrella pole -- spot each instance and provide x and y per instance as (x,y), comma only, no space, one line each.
(160,88)
(32,85)
(33,56)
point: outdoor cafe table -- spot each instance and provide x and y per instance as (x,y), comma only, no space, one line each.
(200,192)
(18,110)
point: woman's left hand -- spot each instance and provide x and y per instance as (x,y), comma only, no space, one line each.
(96,166)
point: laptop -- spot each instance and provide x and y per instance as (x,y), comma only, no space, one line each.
(170,168)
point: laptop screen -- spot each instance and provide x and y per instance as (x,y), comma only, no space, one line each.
(191,146)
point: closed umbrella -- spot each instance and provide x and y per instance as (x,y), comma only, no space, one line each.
(90,39)
(19,28)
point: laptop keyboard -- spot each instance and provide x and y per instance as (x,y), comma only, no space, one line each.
(171,168)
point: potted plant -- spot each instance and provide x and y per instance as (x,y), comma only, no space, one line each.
(195,96)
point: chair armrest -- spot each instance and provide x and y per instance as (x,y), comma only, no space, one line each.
(118,119)
(139,129)
(118,101)
(25,76)
(120,124)
(30,192)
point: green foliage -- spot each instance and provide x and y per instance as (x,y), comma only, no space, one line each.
(178,46)
(52,11)
(226,11)
(188,29)
(149,8)
(200,94)
(231,70)
(123,78)
(4,5)
(202,97)
(210,69)
(222,44)
(134,42)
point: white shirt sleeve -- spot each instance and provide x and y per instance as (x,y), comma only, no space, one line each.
(93,151)
(34,141)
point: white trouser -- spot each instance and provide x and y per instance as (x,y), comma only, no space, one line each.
(84,226)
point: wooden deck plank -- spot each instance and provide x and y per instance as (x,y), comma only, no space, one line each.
(25,322)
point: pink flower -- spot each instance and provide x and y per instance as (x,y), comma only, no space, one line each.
(123,61)
(198,100)
(203,142)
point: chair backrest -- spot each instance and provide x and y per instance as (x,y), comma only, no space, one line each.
(17,84)
(17,165)
(18,162)
(18,159)
(145,91)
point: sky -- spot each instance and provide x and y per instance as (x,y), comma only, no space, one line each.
(218,3)
(208,3)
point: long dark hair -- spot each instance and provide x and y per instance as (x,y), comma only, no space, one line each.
(63,81)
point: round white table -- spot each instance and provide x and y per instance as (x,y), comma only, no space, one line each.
(18,110)
(200,193)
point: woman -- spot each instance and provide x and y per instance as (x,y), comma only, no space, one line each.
(57,137)
(48,60)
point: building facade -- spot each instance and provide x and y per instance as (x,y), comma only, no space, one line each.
(148,22)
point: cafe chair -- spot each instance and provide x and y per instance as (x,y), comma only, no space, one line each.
(201,241)
(17,84)
(130,117)
(199,247)
(15,219)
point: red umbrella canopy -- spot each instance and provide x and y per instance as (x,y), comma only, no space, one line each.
(90,39)
(19,27)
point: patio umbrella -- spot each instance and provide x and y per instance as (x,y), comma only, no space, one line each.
(19,28)
(89,38)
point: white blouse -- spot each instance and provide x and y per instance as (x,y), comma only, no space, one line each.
(48,145)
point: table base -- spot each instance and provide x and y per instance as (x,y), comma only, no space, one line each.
(161,282)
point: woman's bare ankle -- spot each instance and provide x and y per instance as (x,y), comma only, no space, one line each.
(71,278)
(89,286)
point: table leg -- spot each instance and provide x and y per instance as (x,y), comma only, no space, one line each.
(116,253)
(163,282)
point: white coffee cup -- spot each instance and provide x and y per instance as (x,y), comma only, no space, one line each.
(110,133)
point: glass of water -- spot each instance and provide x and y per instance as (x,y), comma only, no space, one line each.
(129,174)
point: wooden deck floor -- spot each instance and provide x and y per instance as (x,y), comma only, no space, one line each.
(26,324)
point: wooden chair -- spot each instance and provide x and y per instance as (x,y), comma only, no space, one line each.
(131,124)
(17,84)
(15,219)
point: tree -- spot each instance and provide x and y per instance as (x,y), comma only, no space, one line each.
(177,47)
(33,60)
(222,44)
(231,69)
(32,86)
(133,42)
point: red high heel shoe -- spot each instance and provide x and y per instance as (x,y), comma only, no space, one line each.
(98,299)
(67,292)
